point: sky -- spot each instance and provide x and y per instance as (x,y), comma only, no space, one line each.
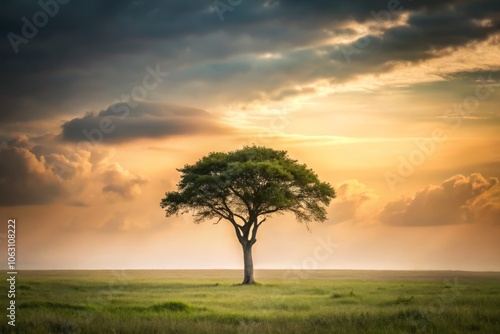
(394,103)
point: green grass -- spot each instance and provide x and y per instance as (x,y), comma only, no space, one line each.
(211,301)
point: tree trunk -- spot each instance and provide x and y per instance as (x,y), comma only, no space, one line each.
(248,261)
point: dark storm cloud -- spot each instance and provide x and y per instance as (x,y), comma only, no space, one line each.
(94,50)
(121,122)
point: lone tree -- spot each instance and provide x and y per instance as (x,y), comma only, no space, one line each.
(246,186)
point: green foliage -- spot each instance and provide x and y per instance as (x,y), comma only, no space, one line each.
(248,183)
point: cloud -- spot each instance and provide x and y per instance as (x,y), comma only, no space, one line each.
(121,182)
(25,179)
(121,123)
(91,51)
(458,200)
(352,202)
(35,171)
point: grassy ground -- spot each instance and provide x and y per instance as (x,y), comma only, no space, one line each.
(284,302)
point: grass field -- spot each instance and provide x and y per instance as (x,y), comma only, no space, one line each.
(210,301)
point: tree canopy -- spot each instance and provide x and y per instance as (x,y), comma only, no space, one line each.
(246,186)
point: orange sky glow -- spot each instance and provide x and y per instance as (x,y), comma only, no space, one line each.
(401,116)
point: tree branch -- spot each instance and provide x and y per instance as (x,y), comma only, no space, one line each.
(232,213)
(241,197)
(270,211)
(217,212)
(237,229)
(254,230)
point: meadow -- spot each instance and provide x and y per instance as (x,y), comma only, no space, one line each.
(211,301)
